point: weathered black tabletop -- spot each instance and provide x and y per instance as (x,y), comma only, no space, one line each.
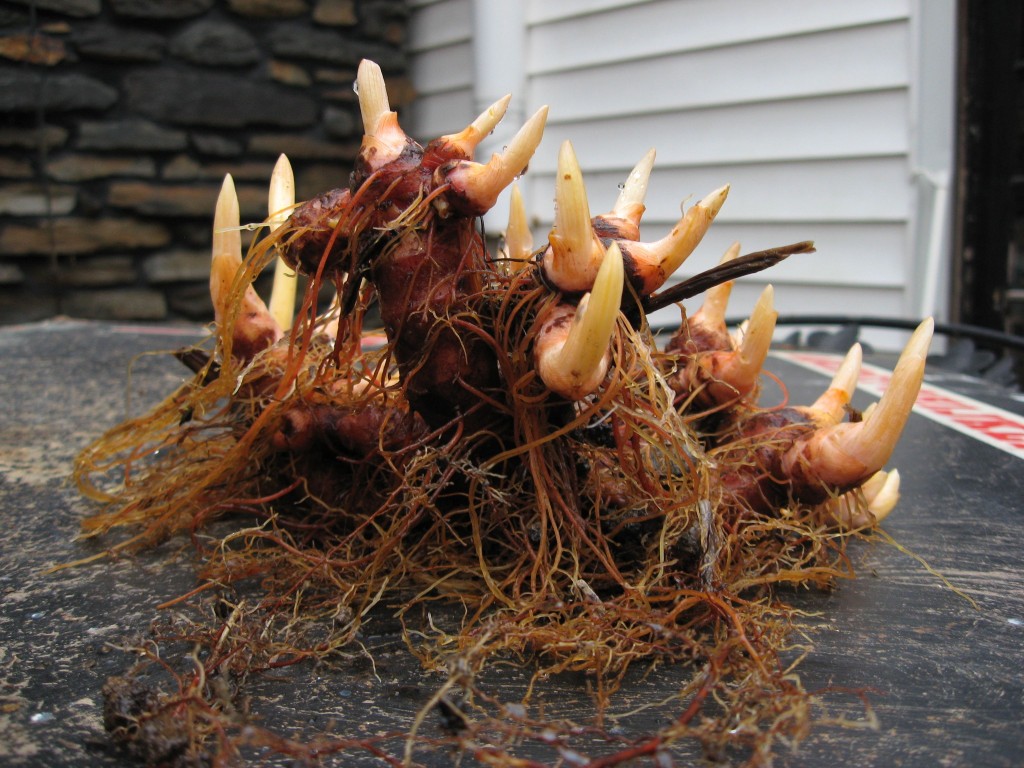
(944,676)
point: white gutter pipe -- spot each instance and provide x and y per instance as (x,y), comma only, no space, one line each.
(499,67)
(935,245)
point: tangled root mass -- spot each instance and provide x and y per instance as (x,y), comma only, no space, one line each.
(644,521)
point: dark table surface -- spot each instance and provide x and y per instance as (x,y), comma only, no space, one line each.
(946,678)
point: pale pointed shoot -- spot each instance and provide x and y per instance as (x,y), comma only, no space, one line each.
(475,187)
(280,205)
(654,263)
(630,203)
(253,328)
(844,455)
(868,505)
(575,254)
(882,493)
(734,375)
(373,96)
(572,351)
(227,248)
(716,300)
(883,428)
(470,137)
(831,406)
(383,138)
(757,340)
(518,238)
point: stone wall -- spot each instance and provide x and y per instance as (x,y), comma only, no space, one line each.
(119,118)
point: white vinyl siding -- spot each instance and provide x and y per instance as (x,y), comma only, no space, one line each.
(441,66)
(640,28)
(806,108)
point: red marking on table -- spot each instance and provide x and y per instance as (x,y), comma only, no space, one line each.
(983,422)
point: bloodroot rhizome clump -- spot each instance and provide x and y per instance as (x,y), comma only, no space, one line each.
(492,445)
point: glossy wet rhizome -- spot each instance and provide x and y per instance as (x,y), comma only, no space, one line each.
(517,447)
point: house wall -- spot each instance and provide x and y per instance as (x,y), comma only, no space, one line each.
(831,121)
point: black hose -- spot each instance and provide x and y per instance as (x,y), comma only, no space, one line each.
(974,332)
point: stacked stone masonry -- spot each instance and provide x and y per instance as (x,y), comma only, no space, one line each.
(119,119)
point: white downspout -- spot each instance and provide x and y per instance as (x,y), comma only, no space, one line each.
(499,67)
(932,138)
(936,245)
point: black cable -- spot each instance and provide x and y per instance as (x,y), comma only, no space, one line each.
(975,332)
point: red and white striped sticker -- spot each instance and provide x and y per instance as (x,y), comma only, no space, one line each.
(983,422)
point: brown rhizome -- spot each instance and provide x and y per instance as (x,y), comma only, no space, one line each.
(520,471)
